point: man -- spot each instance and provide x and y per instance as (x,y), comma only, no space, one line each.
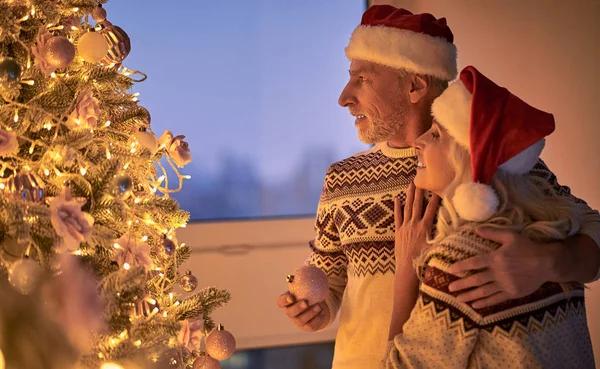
(400,62)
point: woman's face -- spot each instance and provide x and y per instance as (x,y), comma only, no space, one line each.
(434,169)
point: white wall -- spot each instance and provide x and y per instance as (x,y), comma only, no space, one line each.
(548,53)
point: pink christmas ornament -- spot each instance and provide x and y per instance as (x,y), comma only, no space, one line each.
(309,283)
(220,344)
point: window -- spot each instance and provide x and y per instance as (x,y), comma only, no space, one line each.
(253,86)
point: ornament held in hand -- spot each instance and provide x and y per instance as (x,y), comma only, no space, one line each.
(309,283)
(60,52)
(220,344)
(92,47)
(24,275)
(10,72)
(188,282)
(206,362)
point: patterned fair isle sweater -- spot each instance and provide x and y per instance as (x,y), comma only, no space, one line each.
(354,245)
(547,329)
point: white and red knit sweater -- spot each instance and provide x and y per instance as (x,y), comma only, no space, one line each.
(354,245)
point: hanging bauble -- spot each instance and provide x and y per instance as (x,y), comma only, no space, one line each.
(122,186)
(92,47)
(168,246)
(59,52)
(188,282)
(99,14)
(206,362)
(146,139)
(220,344)
(26,186)
(119,44)
(10,72)
(309,283)
(24,275)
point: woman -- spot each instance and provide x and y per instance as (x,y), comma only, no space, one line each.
(482,142)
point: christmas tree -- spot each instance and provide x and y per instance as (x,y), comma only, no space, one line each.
(89,260)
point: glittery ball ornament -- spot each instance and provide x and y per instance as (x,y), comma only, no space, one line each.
(122,186)
(10,72)
(309,283)
(188,282)
(146,139)
(119,44)
(206,362)
(59,52)
(24,275)
(99,14)
(168,246)
(92,47)
(220,344)
(26,186)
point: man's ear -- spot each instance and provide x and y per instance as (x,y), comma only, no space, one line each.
(419,85)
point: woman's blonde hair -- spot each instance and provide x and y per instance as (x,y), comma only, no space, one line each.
(528,204)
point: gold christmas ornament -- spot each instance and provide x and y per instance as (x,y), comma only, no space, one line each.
(206,362)
(309,283)
(119,44)
(10,72)
(99,14)
(24,275)
(188,282)
(220,344)
(92,47)
(26,186)
(59,52)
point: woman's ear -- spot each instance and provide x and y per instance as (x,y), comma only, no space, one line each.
(419,85)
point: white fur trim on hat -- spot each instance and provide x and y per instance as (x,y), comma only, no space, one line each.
(452,109)
(524,161)
(404,49)
(475,201)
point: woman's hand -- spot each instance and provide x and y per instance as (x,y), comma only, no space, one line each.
(412,226)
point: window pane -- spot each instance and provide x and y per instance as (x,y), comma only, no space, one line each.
(253,85)
(315,356)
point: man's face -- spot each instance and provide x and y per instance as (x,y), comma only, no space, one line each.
(375,96)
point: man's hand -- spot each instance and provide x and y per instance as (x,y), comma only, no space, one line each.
(517,269)
(307,318)
(413,227)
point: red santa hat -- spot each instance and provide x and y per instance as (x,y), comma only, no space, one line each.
(397,38)
(501,132)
